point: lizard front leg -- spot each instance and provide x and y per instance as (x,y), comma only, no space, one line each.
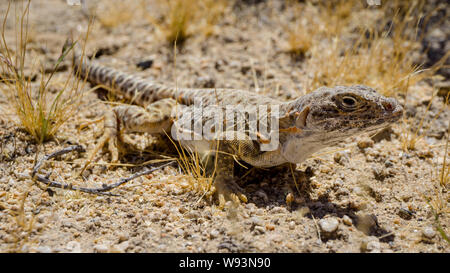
(242,146)
(226,186)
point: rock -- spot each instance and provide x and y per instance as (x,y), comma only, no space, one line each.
(329,225)
(383,134)
(270,227)
(259,230)
(101,248)
(23,175)
(180,231)
(276,238)
(43,249)
(291,225)
(428,232)
(73,247)
(213,234)
(347,220)
(366,223)
(289,198)
(443,88)
(374,246)
(380,173)
(371,244)
(245,69)
(388,163)
(341,157)
(357,190)
(365,143)
(405,213)
(193,214)
(145,64)
(122,247)
(256,221)
(123,238)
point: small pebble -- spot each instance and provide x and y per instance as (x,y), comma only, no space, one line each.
(74,247)
(145,64)
(43,249)
(100,248)
(289,198)
(341,157)
(123,237)
(329,225)
(347,220)
(122,247)
(256,221)
(388,163)
(428,232)
(373,246)
(260,230)
(291,225)
(357,190)
(443,88)
(365,143)
(270,227)
(214,234)
(23,175)
(280,209)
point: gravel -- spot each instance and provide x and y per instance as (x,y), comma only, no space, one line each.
(329,225)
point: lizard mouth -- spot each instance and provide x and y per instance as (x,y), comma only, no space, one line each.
(302,117)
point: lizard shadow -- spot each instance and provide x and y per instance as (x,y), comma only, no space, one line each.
(268,188)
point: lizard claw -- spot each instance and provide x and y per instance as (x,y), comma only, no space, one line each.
(89,122)
(110,136)
(229,190)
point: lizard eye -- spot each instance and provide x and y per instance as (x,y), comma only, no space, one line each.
(349,102)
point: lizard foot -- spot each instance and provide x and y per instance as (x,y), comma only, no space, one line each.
(110,136)
(86,123)
(227,189)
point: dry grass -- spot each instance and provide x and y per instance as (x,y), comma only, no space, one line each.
(444,175)
(439,201)
(179,19)
(174,20)
(195,170)
(40,113)
(382,48)
(24,223)
(380,51)
(300,34)
(116,12)
(409,137)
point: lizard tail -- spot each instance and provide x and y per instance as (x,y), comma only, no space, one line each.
(133,88)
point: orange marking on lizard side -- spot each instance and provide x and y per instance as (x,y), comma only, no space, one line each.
(291,130)
(262,139)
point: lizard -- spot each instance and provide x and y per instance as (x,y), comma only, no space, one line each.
(319,119)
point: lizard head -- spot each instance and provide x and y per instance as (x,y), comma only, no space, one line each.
(335,113)
(327,116)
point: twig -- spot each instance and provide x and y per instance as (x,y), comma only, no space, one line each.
(69,149)
(100,191)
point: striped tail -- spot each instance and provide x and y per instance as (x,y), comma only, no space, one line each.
(133,88)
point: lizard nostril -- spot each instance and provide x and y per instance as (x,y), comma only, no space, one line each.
(388,106)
